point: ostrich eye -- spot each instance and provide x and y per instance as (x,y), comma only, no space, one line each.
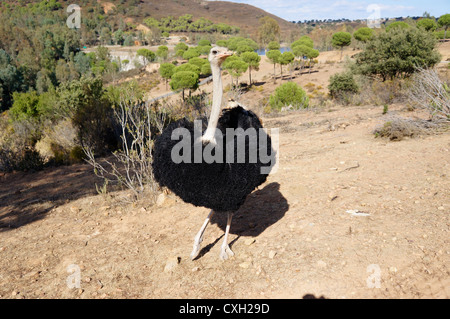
(214,52)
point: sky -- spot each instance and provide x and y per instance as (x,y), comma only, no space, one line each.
(295,10)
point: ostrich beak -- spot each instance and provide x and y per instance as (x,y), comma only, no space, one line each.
(225,55)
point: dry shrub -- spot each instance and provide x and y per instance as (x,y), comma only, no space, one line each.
(58,143)
(375,92)
(17,150)
(130,166)
(430,92)
(397,128)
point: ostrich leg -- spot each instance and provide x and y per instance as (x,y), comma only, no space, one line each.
(199,237)
(225,250)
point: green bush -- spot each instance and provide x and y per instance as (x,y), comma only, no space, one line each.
(289,94)
(342,84)
(397,53)
(91,111)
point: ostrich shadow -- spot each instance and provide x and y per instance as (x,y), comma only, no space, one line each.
(261,209)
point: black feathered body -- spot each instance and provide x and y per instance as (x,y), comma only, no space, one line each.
(220,186)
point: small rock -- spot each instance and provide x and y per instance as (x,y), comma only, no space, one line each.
(195,269)
(171,264)
(272,254)
(245,264)
(441,208)
(14,293)
(250,241)
(80,291)
(392,270)
(75,209)
(161,199)
(99,285)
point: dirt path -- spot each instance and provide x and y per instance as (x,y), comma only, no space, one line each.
(292,237)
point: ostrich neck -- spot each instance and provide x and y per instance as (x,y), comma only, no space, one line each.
(217,101)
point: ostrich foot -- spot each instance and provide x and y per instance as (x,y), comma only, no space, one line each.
(196,248)
(226,252)
(199,237)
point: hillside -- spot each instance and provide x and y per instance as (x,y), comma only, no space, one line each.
(242,15)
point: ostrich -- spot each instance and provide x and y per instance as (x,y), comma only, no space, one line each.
(221,186)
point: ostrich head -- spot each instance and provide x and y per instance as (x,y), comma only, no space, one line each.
(217,55)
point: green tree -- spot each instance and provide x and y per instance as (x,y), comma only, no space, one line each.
(273,45)
(252,59)
(152,22)
(364,34)
(285,59)
(301,51)
(427,24)
(304,40)
(204,42)
(397,53)
(235,66)
(289,94)
(187,67)
(341,40)
(118,37)
(268,30)
(191,53)
(312,54)
(129,41)
(397,24)
(222,43)
(243,48)
(166,71)
(82,63)
(444,22)
(25,106)
(235,42)
(202,64)
(162,52)
(273,56)
(10,80)
(147,55)
(184,80)
(105,36)
(181,46)
(204,49)
(66,71)
(85,102)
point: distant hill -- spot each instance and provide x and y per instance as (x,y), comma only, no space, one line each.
(241,15)
(244,16)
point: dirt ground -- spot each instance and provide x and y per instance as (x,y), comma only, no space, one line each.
(346,215)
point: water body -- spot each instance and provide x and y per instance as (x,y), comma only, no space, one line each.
(262,52)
